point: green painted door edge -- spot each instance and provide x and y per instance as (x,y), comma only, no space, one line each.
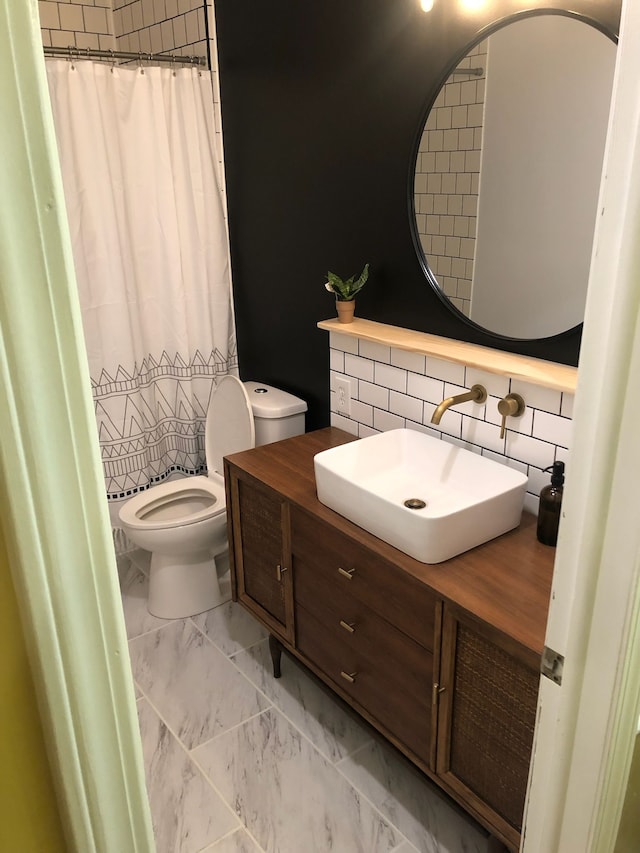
(56,521)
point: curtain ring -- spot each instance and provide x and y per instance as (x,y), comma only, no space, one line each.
(113,59)
(173,65)
(140,58)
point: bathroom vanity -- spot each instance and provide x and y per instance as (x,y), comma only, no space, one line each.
(443,660)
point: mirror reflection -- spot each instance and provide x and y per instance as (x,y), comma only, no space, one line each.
(508,173)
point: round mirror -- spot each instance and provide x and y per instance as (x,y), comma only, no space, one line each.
(508,173)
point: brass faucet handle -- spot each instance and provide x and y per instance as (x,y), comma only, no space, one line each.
(511,406)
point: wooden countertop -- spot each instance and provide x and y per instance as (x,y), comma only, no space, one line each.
(505,582)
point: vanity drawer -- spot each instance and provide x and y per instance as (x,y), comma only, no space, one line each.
(401,709)
(347,620)
(343,565)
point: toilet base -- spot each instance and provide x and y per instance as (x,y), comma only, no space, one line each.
(183,586)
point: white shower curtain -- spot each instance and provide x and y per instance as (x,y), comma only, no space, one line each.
(138,154)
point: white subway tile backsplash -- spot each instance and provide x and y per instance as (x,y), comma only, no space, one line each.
(406,407)
(344,423)
(362,368)
(362,413)
(529,450)
(448,371)
(343,342)
(404,388)
(531,503)
(497,386)
(537,480)
(482,434)
(364,431)
(373,394)
(450,423)
(425,388)
(412,361)
(537,397)
(336,360)
(566,407)
(375,351)
(552,428)
(384,421)
(390,377)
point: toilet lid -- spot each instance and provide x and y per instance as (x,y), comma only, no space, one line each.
(230,425)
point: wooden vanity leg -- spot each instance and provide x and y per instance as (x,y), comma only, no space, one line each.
(275,647)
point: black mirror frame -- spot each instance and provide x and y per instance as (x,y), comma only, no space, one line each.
(484,33)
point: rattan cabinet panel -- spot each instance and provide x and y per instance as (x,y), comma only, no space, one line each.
(259,527)
(486,720)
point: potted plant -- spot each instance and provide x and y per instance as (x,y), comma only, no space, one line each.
(345,291)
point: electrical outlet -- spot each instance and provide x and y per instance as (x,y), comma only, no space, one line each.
(343,395)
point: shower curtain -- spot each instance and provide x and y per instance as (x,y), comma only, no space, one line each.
(138,154)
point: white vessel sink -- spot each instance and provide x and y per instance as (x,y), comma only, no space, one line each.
(467,499)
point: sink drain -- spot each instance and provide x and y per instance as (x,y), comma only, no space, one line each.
(415,503)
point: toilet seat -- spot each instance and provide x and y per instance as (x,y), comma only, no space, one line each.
(175,504)
(178,503)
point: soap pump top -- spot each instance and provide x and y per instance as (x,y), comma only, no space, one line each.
(550,503)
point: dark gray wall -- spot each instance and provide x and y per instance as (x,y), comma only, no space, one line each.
(322,104)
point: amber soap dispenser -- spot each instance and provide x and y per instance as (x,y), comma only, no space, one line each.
(550,503)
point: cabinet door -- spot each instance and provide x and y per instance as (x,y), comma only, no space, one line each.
(261,553)
(486,718)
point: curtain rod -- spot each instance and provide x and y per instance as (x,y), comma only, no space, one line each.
(89,53)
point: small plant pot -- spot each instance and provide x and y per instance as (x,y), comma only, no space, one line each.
(345,310)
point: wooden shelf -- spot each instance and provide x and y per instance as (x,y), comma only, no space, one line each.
(560,377)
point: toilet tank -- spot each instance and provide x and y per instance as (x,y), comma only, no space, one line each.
(276,413)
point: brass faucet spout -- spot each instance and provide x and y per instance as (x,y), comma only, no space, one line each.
(478,394)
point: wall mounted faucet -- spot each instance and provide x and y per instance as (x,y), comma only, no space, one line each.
(510,406)
(478,394)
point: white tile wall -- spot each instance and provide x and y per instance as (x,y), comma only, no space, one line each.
(150,26)
(394,388)
(447,180)
(77,23)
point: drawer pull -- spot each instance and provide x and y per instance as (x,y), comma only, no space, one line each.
(435,693)
(349,676)
(348,626)
(346,573)
(280,570)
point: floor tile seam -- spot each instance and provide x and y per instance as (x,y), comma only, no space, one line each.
(193,761)
(241,824)
(231,728)
(360,794)
(228,655)
(377,810)
(300,731)
(229,834)
(307,738)
(210,848)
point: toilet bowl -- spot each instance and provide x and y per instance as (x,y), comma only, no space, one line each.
(183,523)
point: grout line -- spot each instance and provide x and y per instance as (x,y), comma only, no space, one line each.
(190,757)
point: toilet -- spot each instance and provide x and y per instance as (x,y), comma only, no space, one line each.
(183,523)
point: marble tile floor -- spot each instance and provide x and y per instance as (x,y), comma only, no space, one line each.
(239,762)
